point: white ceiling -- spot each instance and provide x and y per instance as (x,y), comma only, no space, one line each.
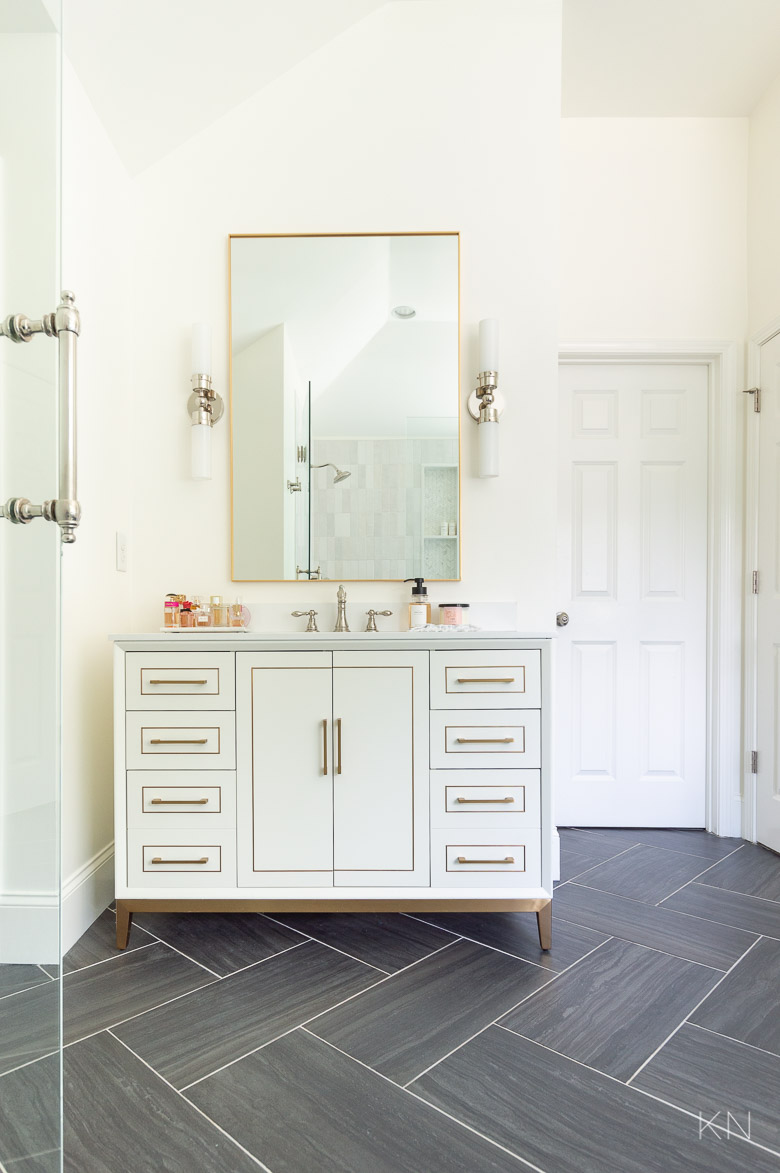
(668,58)
(159,71)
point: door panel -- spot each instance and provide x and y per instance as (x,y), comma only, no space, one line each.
(380,793)
(631,664)
(284,779)
(768,651)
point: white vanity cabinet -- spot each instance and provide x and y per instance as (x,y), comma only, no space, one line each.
(391,772)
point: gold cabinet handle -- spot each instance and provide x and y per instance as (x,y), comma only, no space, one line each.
(325,746)
(484,740)
(484,799)
(178,741)
(178,681)
(179,801)
(158,860)
(338,745)
(486,680)
(462,859)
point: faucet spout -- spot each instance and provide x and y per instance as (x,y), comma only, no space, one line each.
(341,619)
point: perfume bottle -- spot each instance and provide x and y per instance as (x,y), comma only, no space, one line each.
(186,617)
(219,611)
(236,614)
(171,611)
(202,615)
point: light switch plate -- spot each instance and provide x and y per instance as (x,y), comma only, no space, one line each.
(121,551)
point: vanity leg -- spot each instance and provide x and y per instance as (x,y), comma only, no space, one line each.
(544,925)
(124,920)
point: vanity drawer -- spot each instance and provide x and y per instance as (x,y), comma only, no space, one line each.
(486,859)
(180,680)
(486,680)
(181,741)
(490,739)
(485,798)
(180,799)
(181,859)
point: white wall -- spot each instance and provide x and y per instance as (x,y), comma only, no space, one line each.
(97,215)
(385,128)
(764,210)
(653,228)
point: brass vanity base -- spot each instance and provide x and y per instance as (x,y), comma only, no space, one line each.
(542,908)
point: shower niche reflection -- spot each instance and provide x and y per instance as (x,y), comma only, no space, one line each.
(345,407)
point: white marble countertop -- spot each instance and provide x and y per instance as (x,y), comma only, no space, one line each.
(199,638)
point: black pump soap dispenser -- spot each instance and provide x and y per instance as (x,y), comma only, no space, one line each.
(419,608)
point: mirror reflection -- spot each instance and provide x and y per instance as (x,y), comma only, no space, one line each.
(345,406)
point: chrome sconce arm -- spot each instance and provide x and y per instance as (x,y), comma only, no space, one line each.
(65,325)
(485,404)
(204,406)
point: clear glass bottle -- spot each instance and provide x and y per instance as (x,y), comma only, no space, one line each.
(219,611)
(186,617)
(236,616)
(171,616)
(202,614)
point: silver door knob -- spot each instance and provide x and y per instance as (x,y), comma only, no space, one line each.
(561,618)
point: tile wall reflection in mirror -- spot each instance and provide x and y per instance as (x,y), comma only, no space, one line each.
(345,406)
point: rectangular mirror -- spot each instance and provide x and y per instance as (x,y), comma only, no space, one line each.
(345,449)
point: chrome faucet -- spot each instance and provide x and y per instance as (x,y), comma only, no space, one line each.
(341,619)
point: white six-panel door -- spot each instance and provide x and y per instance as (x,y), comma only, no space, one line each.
(768,649)
(630,665)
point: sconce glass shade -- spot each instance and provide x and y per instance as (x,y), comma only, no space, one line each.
(201,348)
(488,448)
(201,452)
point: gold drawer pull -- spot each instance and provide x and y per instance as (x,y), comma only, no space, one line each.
(486,680)
(325,746)
(484,740)
(158,860)
(179,801)
(178,681)
(464,800)
(338,745)
(179,741)
(462,859)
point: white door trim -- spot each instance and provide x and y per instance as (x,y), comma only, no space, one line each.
(725,576)
(766,334)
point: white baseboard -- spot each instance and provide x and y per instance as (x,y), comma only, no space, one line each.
(85,894)
(30,921)
(556,856)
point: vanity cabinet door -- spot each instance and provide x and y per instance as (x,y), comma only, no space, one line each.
(285,773)
(380,780)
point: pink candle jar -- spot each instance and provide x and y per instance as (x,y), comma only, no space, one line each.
(453,614)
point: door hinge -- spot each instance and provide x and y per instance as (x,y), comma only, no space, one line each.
(755,582)
(756,393)
(754,761)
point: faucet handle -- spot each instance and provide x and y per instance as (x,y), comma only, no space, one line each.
(372,614)
(312,624)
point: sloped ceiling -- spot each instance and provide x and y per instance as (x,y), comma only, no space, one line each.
(159,71)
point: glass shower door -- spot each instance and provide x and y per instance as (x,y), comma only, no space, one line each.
(30,985)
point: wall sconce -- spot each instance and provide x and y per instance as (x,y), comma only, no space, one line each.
(485,404)
(205,406)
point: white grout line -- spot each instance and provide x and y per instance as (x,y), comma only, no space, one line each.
(191,1105)
(693,1010)
(105,960)
(186,956)
(628,941)
(260,961)
(494,948)
(29,1063)
(426,1103)
(335,948)
(26,990)
(232,1062)
(724,924)
(701,873)
(729,1038)
(49,975)
(736,892)
(9,1165)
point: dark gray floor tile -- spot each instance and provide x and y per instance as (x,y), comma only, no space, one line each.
(389,941)
(411,1020)
(753,870)
(574,863)
(30,1109)
(658,928)
(744,1006)
(40,1163)
(14,978)
(702,843)
(565,1118)
(515,933)
(594,845)
(29,1025)
(647,874)
(99,944)
(200,1033)
(704,1072)
(613,1009)
(130,984)
(300,1106)
(223,942)
(119,1116)
(729,908)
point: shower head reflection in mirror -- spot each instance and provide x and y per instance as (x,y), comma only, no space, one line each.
(344,360)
